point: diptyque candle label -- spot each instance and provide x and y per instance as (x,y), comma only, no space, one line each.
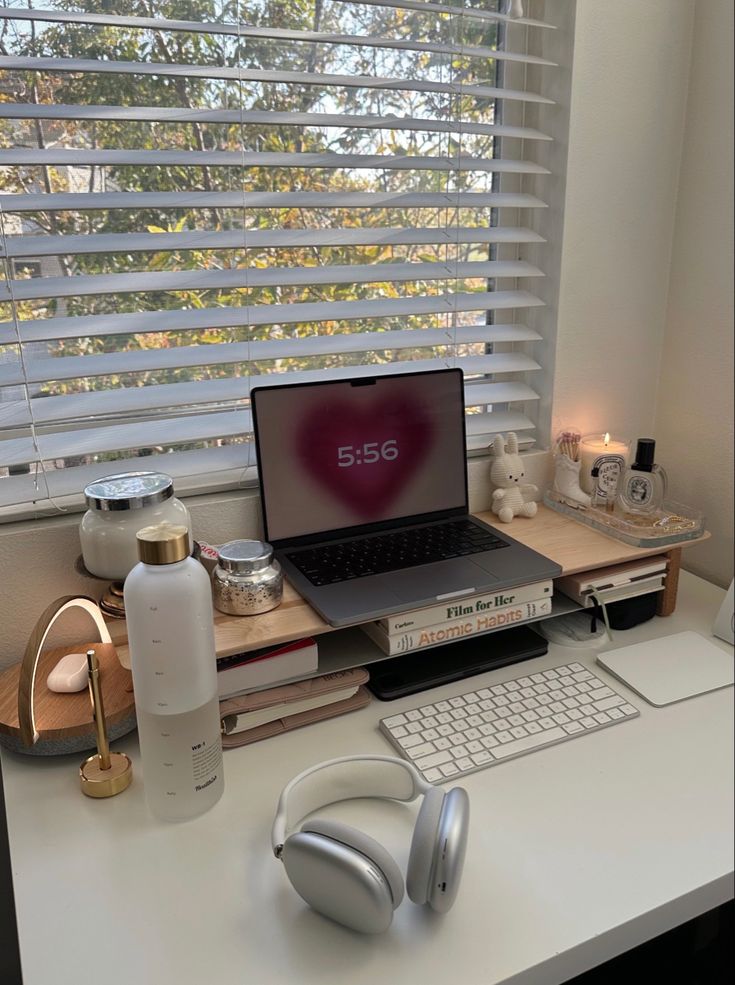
(609,469)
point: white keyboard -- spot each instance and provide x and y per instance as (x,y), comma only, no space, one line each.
(460,735)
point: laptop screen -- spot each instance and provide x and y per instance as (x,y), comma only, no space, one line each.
(351,453)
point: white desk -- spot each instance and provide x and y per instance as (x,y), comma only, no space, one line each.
(577,853)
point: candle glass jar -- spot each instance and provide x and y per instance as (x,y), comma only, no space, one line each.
(604,458)
(247,579)
(118,507)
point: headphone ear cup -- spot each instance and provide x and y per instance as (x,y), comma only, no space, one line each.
(451,847)
(423,846)
(365,845)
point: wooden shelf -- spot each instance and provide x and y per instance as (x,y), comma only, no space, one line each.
(572,545)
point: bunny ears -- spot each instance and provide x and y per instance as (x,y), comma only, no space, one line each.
(499,447)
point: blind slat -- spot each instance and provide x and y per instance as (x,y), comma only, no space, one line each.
(35,288)
(83,326)
(419,6)
(90,201)
(64,157)
(227,28)
(139,361)
(241,74)
(232,239)
(171,114)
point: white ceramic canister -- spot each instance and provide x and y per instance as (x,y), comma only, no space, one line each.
(118,507)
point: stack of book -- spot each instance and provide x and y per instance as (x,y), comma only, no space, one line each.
(450,621)
(263,692)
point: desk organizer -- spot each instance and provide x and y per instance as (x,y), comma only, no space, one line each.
(674,524)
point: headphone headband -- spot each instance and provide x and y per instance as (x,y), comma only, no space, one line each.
(385,777)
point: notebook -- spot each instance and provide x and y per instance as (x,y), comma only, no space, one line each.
(364,491)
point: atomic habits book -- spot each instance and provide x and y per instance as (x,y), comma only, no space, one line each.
(452,630)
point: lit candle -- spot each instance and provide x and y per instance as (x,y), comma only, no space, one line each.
(606,454)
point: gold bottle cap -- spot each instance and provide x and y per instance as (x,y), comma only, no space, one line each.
(163,543)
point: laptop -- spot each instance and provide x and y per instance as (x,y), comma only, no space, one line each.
(363,485)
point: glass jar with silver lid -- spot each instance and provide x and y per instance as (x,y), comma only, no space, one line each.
(247,579)
(118,507)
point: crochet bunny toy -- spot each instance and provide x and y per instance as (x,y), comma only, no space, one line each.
(509,499)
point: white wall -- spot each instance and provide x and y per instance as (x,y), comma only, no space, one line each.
(629,89)
(694,414)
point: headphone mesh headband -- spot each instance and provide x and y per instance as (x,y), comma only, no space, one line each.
(344,779)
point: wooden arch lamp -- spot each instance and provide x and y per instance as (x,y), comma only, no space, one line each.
(38,721)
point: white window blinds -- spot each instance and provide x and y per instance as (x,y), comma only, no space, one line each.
(199,196)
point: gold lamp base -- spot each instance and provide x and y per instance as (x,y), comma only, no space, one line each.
(98,782)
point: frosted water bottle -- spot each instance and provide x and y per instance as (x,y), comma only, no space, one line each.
(168,607)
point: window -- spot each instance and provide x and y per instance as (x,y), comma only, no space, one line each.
(198,194)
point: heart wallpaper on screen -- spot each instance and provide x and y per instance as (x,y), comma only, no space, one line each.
(336,455)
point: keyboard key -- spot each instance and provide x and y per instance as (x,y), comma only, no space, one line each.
(395,720)
(628,710)
(399,731)
(602,718)
(432,775)
(474,746)
(571,728)
(414,727)
(503,737)
(607,703)
(449,769)
(464,764)
(529,742)
(429,734)
(435,759)
(414,716)
(416,752)
(481,758)
(489,741)
(601,692)
(518,732)
(409,741)
(442,743)
(588,722)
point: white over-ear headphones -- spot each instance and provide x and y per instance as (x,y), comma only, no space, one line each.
(350,877)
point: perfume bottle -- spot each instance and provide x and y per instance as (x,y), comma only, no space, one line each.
(642,489)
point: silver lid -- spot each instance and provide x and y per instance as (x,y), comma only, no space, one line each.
(245,556)
(129,491)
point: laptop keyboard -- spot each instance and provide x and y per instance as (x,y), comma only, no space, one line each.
(392,551)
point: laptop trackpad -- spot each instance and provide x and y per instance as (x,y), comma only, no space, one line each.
(443,577)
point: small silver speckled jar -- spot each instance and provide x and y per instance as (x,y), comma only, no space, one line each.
(247,579)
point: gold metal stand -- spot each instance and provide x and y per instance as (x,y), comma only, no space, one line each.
(105,773)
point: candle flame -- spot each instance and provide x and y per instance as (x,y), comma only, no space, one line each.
(607,438)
